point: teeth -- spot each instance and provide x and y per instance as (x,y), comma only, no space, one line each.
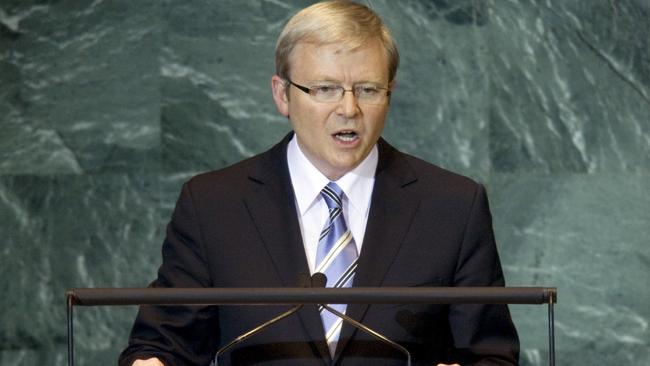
(346,136)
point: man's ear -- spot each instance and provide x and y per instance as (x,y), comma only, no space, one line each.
(280,97)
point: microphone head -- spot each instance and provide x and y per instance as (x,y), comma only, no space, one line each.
(318,279)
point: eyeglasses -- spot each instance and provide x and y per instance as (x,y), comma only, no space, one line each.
(329,93)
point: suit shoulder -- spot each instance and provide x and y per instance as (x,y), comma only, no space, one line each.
(441,190)
(229,178)
(440,177)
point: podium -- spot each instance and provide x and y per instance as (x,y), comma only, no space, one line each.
(311,295)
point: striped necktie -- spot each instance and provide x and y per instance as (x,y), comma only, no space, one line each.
(336,257)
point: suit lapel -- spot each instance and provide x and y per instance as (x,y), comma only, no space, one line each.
(390,204)
(271,205)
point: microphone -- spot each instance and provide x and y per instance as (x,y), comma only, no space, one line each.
(303,281)
(319,279)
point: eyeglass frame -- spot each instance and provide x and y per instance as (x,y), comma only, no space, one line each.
(309,91)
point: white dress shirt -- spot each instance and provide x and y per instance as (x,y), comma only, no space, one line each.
(312,210)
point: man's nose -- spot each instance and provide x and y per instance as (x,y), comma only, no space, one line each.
(348,106)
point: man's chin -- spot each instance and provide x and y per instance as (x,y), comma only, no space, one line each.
(340,169)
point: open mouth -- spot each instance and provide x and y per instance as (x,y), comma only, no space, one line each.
(346,136)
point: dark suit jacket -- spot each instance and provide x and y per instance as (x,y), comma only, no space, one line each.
(237,227)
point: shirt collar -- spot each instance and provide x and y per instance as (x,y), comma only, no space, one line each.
(308,181)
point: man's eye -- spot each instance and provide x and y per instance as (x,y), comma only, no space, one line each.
(367,90)
(326,89)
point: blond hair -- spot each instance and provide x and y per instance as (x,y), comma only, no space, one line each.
(337,21)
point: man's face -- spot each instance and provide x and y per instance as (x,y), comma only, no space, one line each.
(335,136)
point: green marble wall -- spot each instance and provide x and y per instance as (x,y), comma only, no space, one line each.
(106,107)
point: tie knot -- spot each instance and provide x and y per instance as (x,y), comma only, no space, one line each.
(332,194)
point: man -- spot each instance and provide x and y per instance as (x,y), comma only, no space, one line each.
(331,197)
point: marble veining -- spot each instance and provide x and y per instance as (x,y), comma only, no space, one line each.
(107,107)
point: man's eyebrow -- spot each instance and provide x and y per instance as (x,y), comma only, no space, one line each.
(374,82)
(326,80)
(338,82)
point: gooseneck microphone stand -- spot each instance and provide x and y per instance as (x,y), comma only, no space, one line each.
(252,332)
